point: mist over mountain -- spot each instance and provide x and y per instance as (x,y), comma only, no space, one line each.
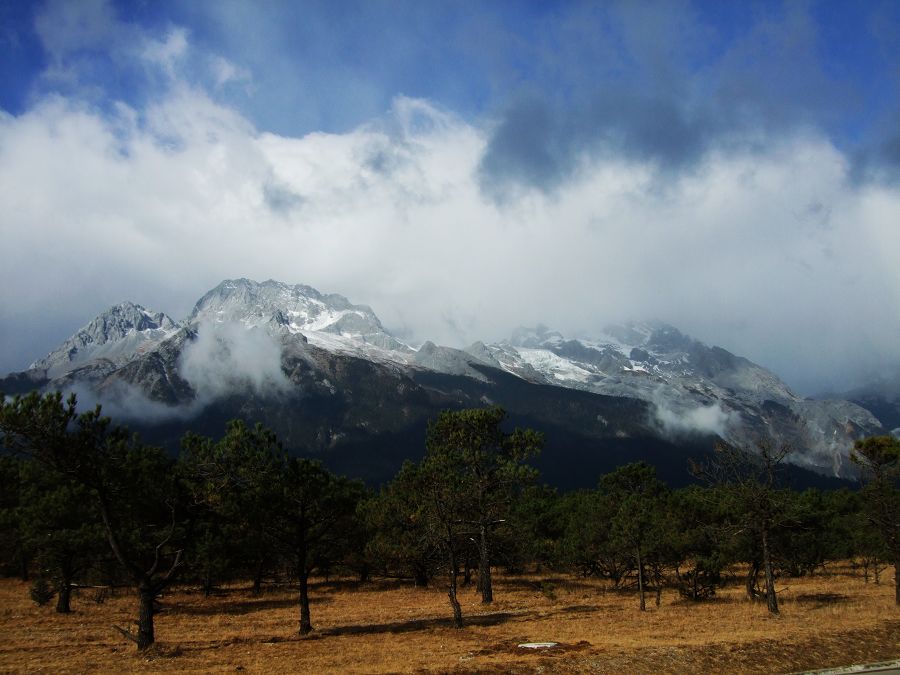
(731,170)
(327,376)
(880,394)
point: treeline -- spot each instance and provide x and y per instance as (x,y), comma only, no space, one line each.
(83,502)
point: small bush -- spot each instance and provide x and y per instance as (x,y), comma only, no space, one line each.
(100,595)
(549,590)
(41,592)
(701,582)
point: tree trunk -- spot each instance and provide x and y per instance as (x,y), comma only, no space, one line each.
(420,576)
(454,602)
(484,568)
(897,581)
(64,588)
(258,576)
(207,584)
(23,567)
(147,595)
(640,566)
(753,581)
(771,598)
(305,624)
(64,595)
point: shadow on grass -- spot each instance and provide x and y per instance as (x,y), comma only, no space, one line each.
(578,609)
(557,583)
(244,606)
(417,624)
(370,586)
(821,598)
(364,629)
(412,625)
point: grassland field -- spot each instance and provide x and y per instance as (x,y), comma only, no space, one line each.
(388,626)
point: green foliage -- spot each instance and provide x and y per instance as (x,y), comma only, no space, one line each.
(41,592)
(14,554)
(233,484)
(254,503)
(532,532)
(491,462)
(60,525)
(639,522)
(314,517)
(586,545)
(879,459)
(638,498)
(79,488)
(134,487)
(548,590)
(879,455)
(399,542)
(314,520)
(473,471)
(698,541)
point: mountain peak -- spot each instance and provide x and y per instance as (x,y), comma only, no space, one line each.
(295,307)
(116,334)
(538,336)
(687,389)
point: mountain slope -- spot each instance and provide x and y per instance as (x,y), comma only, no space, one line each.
(327,376)
(692,388)
(881,397)
(117,335)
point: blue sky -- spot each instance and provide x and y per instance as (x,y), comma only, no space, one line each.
(330,66)
(724,166)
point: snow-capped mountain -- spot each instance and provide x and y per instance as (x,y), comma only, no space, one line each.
(115,336)
(332,372)
(330,320)
(692,387)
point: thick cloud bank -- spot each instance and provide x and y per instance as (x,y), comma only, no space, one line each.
(758,237)
(770,252)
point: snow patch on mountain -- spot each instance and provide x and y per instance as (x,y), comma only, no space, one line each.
(240,333)
(329,320)
(117,335)
(554,367)
(692,388)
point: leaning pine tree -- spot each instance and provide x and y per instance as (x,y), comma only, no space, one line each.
(134,487)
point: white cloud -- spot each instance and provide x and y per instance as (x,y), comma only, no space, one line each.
(226,72)
(227,357)
(167,52)
(674,420)
(769,252)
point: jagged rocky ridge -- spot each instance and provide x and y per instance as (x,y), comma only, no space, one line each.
(327,375)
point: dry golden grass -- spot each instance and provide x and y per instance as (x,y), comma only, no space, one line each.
(386,627)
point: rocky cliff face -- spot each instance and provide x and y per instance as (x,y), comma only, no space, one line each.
(325,374)
(117,335)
